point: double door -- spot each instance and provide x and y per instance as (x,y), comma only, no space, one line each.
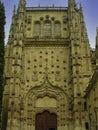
(46,121)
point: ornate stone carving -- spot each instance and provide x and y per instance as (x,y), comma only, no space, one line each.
(57,76)
(35,76)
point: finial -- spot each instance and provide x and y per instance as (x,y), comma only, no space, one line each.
(14,10)
(21,5)
(72,3)
(22,2)
(81,7)
(81,12)
(97,46)
(97,37)
(39,5)
(53,5)
(97,31)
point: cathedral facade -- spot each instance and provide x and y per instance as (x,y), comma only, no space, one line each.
(48,71)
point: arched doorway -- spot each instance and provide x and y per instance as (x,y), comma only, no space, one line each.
(46,121)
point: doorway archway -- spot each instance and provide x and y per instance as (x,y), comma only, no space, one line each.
(46,121)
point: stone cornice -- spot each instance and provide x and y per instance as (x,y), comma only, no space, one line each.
(46,8)
(46,42)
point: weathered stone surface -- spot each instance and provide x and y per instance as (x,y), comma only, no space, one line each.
(48,68)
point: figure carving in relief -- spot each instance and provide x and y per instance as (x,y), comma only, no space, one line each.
(35,76)
(57,76)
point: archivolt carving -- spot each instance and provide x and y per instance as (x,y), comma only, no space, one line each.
(47,88)
(37,97)
(45,97)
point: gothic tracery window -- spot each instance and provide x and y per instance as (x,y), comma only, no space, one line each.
(37,29)
(47,29)
(57,29)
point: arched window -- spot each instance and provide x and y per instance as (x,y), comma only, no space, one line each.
(57,29)
(47,29)
(37,29)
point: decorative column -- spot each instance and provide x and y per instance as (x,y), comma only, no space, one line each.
(52,27)
(96,113)
(42,27)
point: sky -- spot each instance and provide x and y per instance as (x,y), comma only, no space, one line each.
(90,10)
